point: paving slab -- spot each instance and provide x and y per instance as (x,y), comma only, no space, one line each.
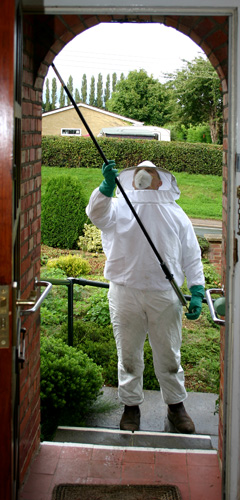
(200,406)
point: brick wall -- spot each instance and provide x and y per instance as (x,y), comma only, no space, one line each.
(30,256)
(214,254)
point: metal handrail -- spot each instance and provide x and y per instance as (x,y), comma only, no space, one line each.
(210,302)
(69,282)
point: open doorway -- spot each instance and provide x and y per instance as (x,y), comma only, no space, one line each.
(36,64)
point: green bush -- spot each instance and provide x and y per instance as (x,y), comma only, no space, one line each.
(200,133)
(72,265)
(99,308)
(175,156)
(70,384)
(99,344)
(91,240)
(63,212)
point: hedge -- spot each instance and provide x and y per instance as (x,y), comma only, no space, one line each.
(72,152)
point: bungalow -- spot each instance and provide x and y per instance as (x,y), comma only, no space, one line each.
(65,121)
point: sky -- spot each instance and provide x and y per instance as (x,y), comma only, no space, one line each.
(120,48)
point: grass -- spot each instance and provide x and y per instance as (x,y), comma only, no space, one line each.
(201,195)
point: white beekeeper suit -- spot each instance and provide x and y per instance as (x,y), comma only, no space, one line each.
(141,299)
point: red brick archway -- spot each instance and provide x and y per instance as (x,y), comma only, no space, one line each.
(44,37)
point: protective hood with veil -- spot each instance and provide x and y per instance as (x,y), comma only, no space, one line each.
(130,260)
(168,191)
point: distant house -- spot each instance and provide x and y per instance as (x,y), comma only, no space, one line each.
(66,122)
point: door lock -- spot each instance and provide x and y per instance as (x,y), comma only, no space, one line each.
(4,316)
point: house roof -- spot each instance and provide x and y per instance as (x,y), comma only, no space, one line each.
(97,110)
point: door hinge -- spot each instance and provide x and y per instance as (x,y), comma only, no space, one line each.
(235,250)
(238,197)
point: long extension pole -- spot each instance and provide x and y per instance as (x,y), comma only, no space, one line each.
(164,267)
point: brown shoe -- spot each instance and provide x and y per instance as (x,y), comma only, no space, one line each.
(130,420)
(180,419)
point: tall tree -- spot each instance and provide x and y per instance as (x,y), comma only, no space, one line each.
(140,97)
(77,96)
(114,81)
(47,97)
(99,99)
(62,97)
(198,96)
(54,93)
(92,92)
(84,88)
(107,90)
(70,88)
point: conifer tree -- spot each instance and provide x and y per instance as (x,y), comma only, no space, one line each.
(47,99)
(107,90)
(114,81)
(77,96)
(54,93)
(92,92)
(62,98)
(99,100)
(70,88)
(84,88)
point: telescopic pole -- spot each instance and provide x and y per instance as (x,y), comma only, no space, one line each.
(164,267)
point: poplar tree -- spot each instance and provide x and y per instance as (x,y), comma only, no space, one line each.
(92,92)
(62,98)
(84,88)
(77,96)
(99,100)
(54,93)
(114,81)
(107,90)
(70,88)
(47,102)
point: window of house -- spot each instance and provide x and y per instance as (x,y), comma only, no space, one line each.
(71,131)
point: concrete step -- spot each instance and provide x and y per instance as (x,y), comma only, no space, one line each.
(139,439)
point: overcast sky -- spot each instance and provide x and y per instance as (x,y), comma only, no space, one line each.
(114,47)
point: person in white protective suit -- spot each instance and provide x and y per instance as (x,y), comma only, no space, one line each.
(141,299)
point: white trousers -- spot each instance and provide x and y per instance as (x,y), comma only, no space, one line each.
(134,314)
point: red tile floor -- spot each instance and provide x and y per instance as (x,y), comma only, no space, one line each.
(196,473)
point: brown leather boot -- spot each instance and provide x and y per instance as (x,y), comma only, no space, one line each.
(180,419)
(130,420)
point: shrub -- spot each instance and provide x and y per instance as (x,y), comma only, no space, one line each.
(70,383)
(91,240)
(175,156)
(72,265)
(99,308)
(212,277)
(99,344)
(63,212)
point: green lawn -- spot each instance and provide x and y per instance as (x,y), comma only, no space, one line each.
(201,195)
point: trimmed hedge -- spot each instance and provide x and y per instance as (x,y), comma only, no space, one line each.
(63,212)
(70,384)
(78,152)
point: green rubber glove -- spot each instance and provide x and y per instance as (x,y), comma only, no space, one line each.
(195,305)
(108,184)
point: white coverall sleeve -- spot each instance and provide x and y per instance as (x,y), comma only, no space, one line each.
(191,258)
(100,210)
